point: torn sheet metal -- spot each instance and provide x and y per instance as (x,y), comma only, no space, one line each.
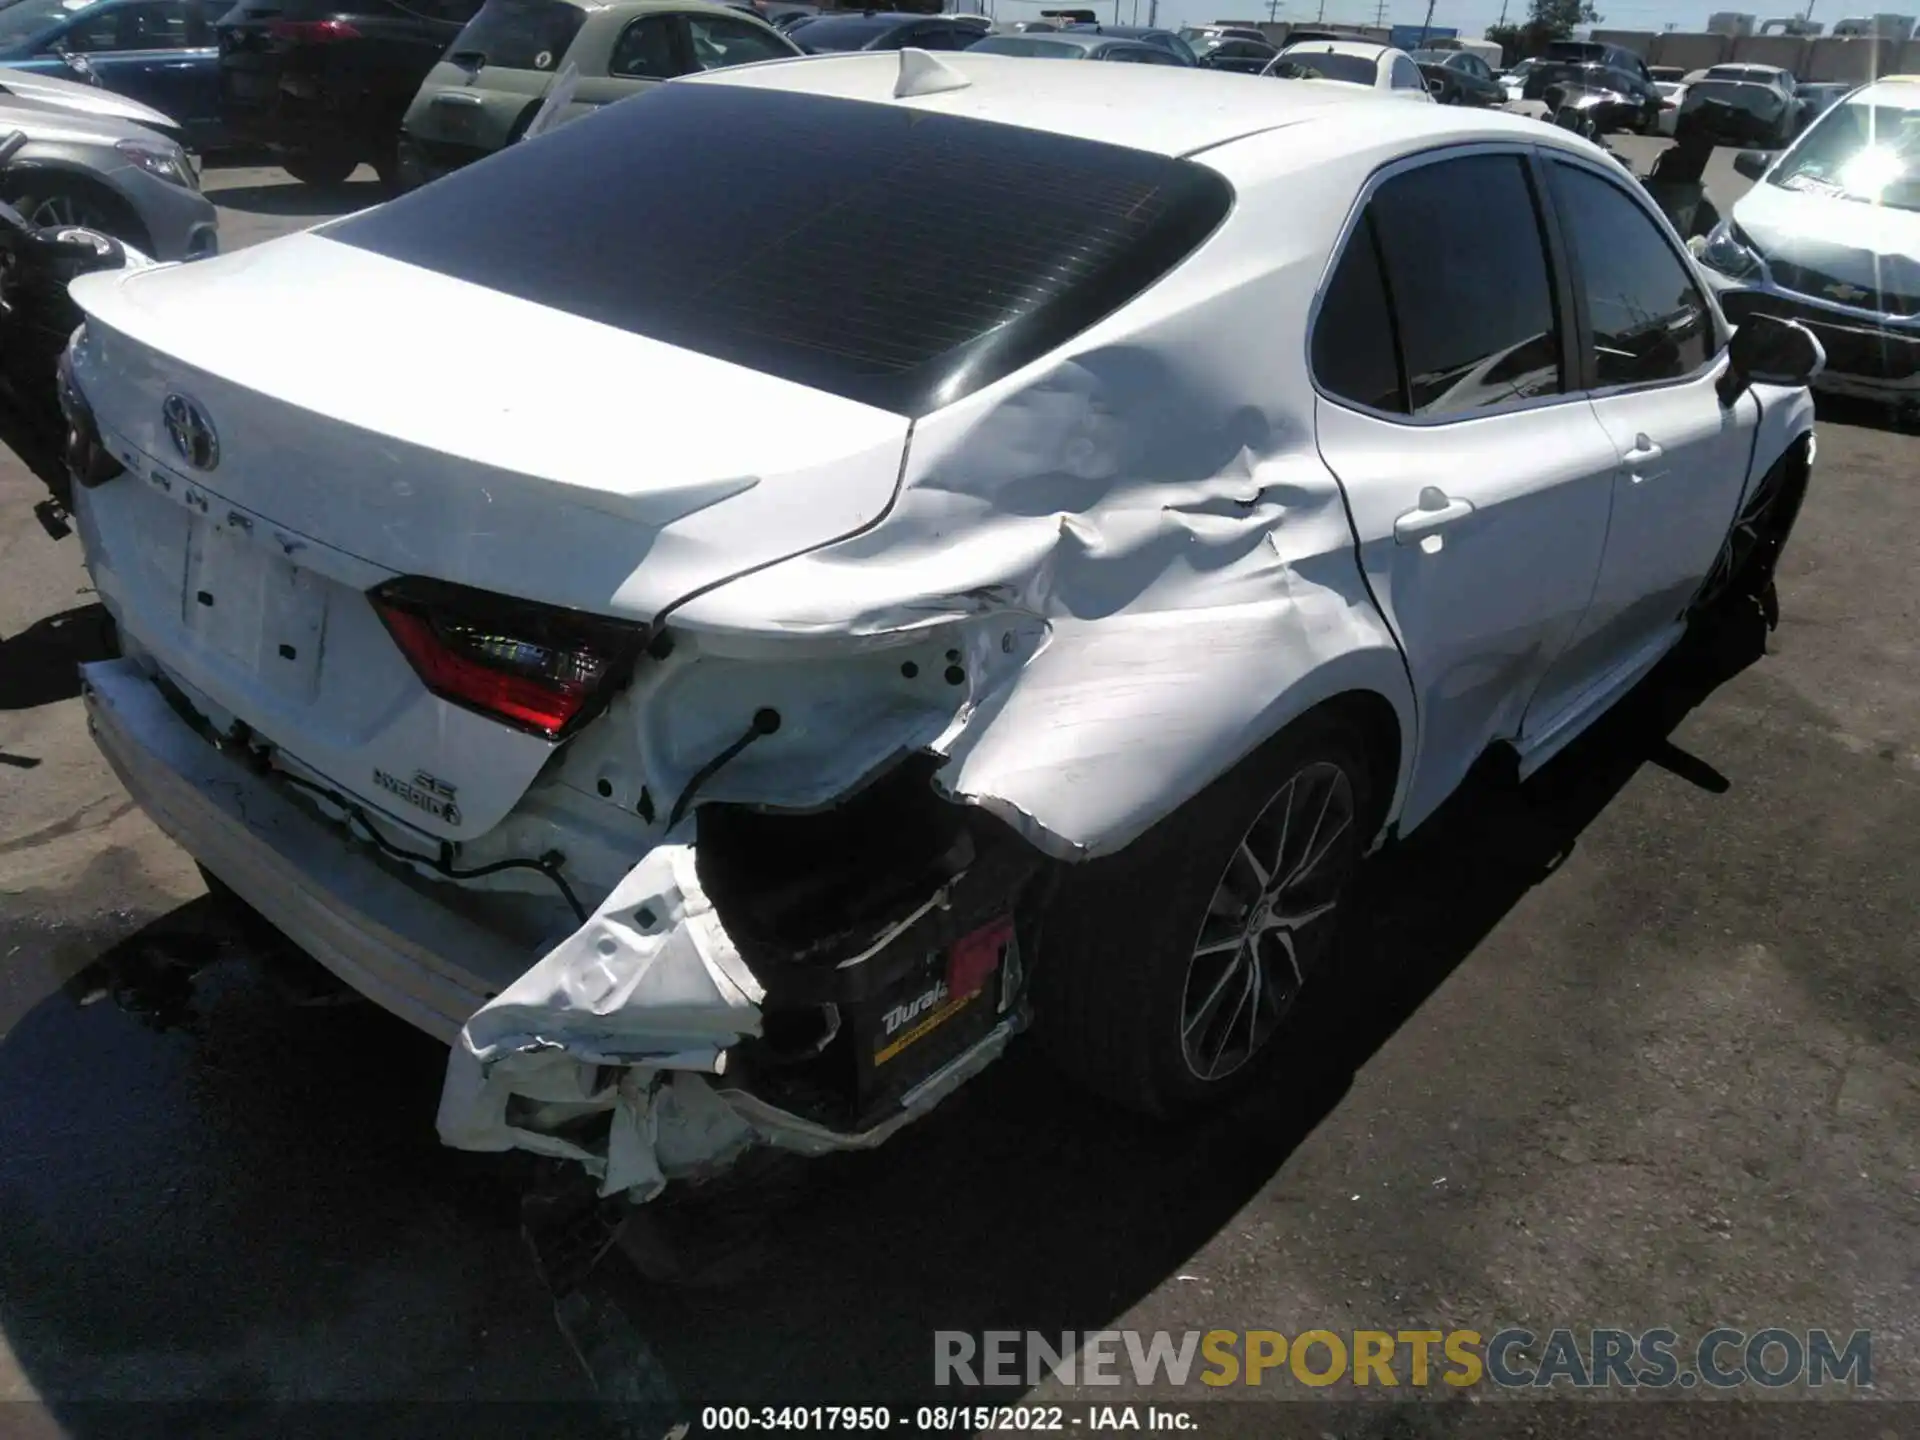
(1102,581)
(1149,522)
(651,984)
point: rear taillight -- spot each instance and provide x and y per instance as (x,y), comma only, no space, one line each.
(313,32)
(535,667)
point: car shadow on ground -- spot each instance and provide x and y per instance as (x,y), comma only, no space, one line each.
(41,664)
(292,198)
(220,1186)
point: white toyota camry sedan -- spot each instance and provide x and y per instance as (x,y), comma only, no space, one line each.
(731,610)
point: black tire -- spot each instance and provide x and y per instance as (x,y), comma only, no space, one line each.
(322,169)
(1118,965)
(52,198)
(386,158)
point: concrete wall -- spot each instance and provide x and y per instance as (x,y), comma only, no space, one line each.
(1690,51)
(1638,41)
(1789,52)
(1853,60)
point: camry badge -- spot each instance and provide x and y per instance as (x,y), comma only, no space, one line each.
(191,431)
(1846,294)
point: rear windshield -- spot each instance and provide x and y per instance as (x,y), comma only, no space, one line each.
(1307,65)
(844,32)
(1737,93)
(518,34)
(900,258)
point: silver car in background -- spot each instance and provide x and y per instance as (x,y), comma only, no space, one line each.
(111,175)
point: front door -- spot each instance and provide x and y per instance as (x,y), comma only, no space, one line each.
(1479,487)
(1653,356)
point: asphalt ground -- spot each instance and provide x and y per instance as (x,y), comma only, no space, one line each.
(1635,1044)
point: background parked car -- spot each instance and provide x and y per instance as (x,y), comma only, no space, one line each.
(1614,99)
(883,31)
(1069,46)
(158,52)
(1514,79)
(1818,97)
(1166,40)
(1830,236)
(1459,77)
(324,85)
(1756,104)
(1228,52)
(1197,35)
(1672,93)
(77,97)
(487,88)
(1564,57)
(1353,62)
(110,175)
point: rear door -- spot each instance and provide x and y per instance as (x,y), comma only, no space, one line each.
(1652,355)
(1479,481)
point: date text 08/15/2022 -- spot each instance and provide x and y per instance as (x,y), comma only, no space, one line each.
(946,1419)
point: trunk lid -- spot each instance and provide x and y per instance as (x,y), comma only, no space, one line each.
(390,421)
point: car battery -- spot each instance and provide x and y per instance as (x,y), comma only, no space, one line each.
(932,1014)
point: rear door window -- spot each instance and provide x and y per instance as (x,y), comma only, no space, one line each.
(1406,75)
(1354,358)
(1466,269)
(520,34)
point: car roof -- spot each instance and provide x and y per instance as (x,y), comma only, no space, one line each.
(1167,110)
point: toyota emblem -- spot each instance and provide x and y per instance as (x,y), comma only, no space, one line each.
(191,431)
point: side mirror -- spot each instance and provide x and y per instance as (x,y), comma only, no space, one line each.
(1767,350)
(1752,163)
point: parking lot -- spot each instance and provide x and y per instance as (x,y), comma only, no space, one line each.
(1637,1044)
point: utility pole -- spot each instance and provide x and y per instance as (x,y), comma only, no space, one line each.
(1426,25)
(1380,15)
(1501,22)
(1273,10)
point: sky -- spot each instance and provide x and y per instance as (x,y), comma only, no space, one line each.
(1469,17)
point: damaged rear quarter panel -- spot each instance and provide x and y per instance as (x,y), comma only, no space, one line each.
(1153,498)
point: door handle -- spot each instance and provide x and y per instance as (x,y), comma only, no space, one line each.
(463,98)
(1643,450)
(1434,511)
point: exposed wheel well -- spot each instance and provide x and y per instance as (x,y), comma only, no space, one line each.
(1372,718)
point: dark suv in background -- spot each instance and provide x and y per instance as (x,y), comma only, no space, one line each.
(324,85)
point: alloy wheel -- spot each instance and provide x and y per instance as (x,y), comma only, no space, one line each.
(1268,922)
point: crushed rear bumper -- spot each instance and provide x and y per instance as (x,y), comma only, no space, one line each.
(633,1018)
